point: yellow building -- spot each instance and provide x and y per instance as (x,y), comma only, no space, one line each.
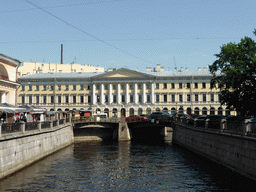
(124,91)
(30,68)
(8,79)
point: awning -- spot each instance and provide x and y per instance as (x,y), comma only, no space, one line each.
(9,111)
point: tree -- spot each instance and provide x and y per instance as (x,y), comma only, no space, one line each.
(234,72)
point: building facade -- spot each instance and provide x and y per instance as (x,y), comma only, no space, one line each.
(30,68)
(124,91)
(8,79)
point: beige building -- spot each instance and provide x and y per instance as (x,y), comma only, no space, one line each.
(30,68)
(124,91)
(8,79)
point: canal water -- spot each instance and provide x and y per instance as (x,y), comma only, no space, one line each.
(124,166)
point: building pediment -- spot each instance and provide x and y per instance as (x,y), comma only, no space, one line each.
(123,73)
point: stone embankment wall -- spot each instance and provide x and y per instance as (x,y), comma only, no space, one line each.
(233,151)
(18,150)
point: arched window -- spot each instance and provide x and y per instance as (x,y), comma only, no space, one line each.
(52,109)
(140,111)
(204,111)
(106,110)
(227,111)
(181,110)
(212,111)
(98,110)
(189,110)
(220,111)
(165,109)
(59,109)
(158,109)
(148,111)
(131,111)
(67,109)
(173,111)
(196,110)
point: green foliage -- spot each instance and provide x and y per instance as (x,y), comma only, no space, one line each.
(237,78)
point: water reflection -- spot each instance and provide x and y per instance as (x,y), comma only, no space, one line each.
(121,166)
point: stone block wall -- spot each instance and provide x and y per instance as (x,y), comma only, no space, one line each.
(233,151)
(20,150)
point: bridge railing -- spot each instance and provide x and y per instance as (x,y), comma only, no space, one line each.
(94,119)
(245,127)
(22,127)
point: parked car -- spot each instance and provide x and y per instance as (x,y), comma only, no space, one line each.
(144,115)
(160,116)
(191,117)
(200,121)
(135,118)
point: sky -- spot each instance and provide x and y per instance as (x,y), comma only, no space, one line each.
(124,33)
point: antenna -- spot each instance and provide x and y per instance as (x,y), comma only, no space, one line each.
(174,62)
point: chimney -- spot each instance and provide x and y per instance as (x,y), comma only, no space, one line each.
(61,59)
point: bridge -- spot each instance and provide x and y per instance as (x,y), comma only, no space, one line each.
(119,129)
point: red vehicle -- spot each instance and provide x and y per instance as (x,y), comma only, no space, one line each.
(135,118)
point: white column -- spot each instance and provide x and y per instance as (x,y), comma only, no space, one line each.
(110,99)
(135,93)
(102,100)
(93,94)
(118,94)
(153,93)
(4,97)
(144,93)
(127,99)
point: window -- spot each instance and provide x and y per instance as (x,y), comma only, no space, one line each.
(188,85)
(98,98)
(97,86)
(106,86)
(165,98)
(165,85)
(204,97)
(89,87)
(148,85)
(157,85)
(123,98)
(30,99)
(22,87)
(173,86)
(139,86)
(203,85)
(67,87)
(37,99)
(196,85)
(66,99)
(74,87)
(59,99)
(140,99)
(188,98)
(122,86)
(44,99)
(52,99)
(148,98)
(89,100)
(180,85)
(23,99)
(81,86)
(131,85)
(114,86)
(114,98)
(219,96)
(106,98)
(212,97)
(131,98)
(157,98)
(59,87)
(37,87)
(74,99)
(173,98)
(81,99)
(30,87)
(52,87)
(180,98)
(196,97)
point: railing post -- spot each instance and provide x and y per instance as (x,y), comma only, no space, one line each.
(223,125)
(23,126)
(39,125)
(206,123)
(247,126)
(51,124)
(1,129)
(195,123)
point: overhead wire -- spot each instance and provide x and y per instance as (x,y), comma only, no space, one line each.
(71,25)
